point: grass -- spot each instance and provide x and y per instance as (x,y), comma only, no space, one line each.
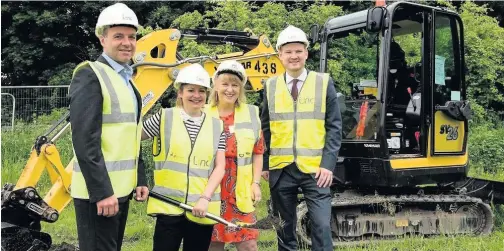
(140,227)
(486,176)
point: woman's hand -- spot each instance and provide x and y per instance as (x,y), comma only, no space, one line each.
(256,193)
(201,207)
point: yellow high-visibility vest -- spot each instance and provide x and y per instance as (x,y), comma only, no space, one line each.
(120,138)
(182,169)
(297,128)
(247,130)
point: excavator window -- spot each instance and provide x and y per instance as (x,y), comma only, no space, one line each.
(352,58)
(447,81)
(403,127)
(450,109)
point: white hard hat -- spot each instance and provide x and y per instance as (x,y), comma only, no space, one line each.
(291,34)
(116,14)
(193,74)
(233,67)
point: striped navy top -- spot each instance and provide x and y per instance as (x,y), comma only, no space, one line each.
(152,125)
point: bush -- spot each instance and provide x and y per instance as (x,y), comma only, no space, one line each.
(486,148)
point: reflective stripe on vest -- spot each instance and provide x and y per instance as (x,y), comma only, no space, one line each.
(182,169)
(191,198)
(297,127)
(247,132)
(120,138)
(112,166)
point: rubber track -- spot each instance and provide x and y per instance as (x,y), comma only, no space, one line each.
(355,200)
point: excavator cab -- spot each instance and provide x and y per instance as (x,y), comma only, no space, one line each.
(405,123)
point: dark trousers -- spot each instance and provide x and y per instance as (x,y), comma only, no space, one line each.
(318,200)
(170,230)
(99,233)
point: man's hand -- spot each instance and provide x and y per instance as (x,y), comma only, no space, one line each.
(324,177)
(141,193)
(256,193)
(265,175)
(108,207)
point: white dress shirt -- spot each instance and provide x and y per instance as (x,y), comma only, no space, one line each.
(301,79)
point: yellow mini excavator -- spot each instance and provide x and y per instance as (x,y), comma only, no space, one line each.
(403,163)
(402,168)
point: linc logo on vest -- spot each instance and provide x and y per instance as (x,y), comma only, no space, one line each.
(200,162)
(306,101)
(173,155)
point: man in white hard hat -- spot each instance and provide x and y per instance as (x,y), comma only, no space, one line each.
(105,117)
(301,122)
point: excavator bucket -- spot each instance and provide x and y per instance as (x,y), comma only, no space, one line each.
(20,226)
(22,211)
(16,238)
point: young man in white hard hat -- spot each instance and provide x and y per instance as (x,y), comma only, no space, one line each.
(105,117)
(189,165)
(301,122)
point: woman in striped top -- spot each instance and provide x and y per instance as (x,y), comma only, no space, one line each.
(184,166)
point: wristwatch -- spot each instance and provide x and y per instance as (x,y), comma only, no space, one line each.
(257,182)
(206,198)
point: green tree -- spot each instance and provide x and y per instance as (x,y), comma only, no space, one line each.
(484,46)
(484,57)
(268,19)
(43,41)
(60,35)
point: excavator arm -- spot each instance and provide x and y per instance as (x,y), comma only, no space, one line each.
(157,61)
(156,65)
(23,208)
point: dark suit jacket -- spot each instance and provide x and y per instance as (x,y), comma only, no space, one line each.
(333,136)
(86,103)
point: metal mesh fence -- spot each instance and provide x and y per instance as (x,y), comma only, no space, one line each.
(27,103)
(8,110)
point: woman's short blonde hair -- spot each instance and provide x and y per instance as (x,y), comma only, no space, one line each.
(213,99)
